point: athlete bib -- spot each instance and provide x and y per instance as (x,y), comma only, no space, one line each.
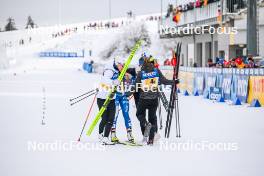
(150,81)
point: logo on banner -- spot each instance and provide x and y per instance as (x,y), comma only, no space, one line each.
(215,93)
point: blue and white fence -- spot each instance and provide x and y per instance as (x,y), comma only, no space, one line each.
(243,84)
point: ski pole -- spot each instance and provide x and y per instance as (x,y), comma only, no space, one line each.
(88,115)
(170,118)
(82,94)
(160,117)
(83,98)
(178,133)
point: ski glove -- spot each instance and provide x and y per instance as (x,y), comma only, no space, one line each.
(177,81)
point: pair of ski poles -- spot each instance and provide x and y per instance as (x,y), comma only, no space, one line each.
(82,97)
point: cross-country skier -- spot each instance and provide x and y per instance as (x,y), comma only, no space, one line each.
(108,80)
(123,101)
(149,79)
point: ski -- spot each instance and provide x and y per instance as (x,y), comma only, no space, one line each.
(112,93)
(132,143)
(108,144)
(173,103)
(128,143)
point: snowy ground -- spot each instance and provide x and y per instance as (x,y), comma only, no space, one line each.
(21,113)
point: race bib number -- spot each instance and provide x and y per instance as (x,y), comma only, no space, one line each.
(150,83)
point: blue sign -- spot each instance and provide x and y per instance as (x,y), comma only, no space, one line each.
(226,86)
(199,82)
(210,80)
(215,93)
(240,87)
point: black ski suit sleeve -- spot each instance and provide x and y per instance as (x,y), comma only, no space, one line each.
(164,80)
(138,80)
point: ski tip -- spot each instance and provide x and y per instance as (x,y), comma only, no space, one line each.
(79,140)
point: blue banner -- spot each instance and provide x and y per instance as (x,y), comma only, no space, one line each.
(240,87)
(226,86)
(199,82)
(219,80)
(210,80)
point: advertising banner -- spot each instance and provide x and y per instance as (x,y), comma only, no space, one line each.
(199,82)
(182,77)
(210,80)
(189,80)
(240,87)
(226,86)
(256,89)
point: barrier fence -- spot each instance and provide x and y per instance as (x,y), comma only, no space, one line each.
(61,54)
(231,83)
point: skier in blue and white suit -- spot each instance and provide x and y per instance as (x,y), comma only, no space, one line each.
(123,101)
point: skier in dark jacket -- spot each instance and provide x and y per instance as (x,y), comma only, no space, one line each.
(136,94)
(149,78)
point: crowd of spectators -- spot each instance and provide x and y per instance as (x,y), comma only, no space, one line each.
(101,25)
(64,32)
(89,26)
(175,11)
(239,62)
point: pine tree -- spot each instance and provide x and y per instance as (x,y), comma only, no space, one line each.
(10,24)
(30,23)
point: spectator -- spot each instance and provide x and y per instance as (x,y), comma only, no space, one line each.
(251,63)
(227,64)
(167,62)
(210,63)
(239,63)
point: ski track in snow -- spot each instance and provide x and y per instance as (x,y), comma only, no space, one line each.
(201,120)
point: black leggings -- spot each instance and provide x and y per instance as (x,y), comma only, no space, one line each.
(107,117)
(151,105)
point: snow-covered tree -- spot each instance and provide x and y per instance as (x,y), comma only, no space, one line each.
(30,23)
(124,43)
(10,24)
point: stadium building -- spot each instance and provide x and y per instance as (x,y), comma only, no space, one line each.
(198,48)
